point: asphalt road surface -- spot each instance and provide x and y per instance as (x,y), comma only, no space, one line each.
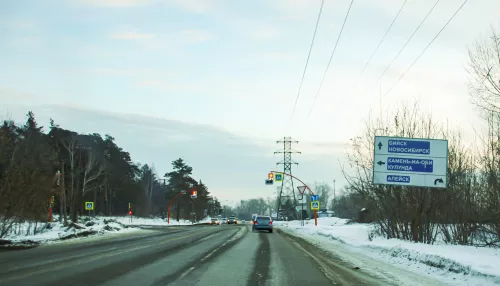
(195,255)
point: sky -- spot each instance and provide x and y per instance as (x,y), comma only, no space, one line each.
(214,82)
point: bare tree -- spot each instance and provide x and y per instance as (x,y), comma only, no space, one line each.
(484,71)
(92,172)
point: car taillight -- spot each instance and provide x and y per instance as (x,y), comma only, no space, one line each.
(254,222)
(270,222)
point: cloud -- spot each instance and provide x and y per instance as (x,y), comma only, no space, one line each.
(114,3)
(125,72)
(195,36)
(167,86)
(132,36)
(233,167)
(8,95)
(193,6)
(278,56)
(21,24)
(265,33)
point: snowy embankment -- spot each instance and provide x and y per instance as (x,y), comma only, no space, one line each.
(29,233)
(454,264)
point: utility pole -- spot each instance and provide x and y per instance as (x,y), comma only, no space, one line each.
(334,197)
(287,192)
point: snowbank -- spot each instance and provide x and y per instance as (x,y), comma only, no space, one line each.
(450,263)
(149,221)
(29,233)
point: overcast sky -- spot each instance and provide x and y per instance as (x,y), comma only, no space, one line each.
(214,81)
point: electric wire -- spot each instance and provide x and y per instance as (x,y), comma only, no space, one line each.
(307,63)
(329,62)
(425,49)
(383,38)
(407,41)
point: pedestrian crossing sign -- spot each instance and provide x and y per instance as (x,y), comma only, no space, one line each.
(315,205)
(89,206)
(278,177)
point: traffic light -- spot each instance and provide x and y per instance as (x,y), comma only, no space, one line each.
(129,212)
(270,176)
(194,194)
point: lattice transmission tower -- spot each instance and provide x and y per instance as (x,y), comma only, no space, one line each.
(287,201)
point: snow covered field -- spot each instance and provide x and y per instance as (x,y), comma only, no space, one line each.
(94,226)
(451,264)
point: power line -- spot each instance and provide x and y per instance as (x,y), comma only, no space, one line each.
(383,38)
(425,49)
(307,62)
(331,57)
(409,39)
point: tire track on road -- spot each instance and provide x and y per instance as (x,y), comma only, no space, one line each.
(205,257)
(96,276)
(260,272)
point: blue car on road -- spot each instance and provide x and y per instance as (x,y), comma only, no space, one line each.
(263,223)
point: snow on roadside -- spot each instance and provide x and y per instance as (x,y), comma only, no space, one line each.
(57,231)
(31,233)
(149,221)
(454,264)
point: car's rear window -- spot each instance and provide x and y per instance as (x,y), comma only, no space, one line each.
(263,218)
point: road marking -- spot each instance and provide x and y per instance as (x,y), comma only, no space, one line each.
(90,259)
(187,272)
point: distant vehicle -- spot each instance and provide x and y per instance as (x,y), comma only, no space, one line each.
(224,220)
(263,223)
(253,217)
(215,221)
(232,220)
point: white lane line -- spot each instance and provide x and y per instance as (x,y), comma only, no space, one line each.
(186,272)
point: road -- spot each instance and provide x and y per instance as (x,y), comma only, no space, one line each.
(194,255)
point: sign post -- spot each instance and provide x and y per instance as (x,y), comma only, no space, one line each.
(130,211)
(410,162)
(89,206)
(302,189)
(315,207)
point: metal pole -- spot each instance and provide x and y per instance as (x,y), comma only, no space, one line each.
(334,198)
(302,213)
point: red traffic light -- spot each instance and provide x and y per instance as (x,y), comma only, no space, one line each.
(130,213)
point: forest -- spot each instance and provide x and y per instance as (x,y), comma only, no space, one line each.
(63,169)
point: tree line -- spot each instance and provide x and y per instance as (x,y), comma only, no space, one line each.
(467,212)
(74,168)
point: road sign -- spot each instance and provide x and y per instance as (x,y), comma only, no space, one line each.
(278,177)
(269,182)
(314,197)
(315,205)
(410,162)
(301,189)
(89,206)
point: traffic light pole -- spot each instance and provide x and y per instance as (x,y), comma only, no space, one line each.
(170,204)
(306,186)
